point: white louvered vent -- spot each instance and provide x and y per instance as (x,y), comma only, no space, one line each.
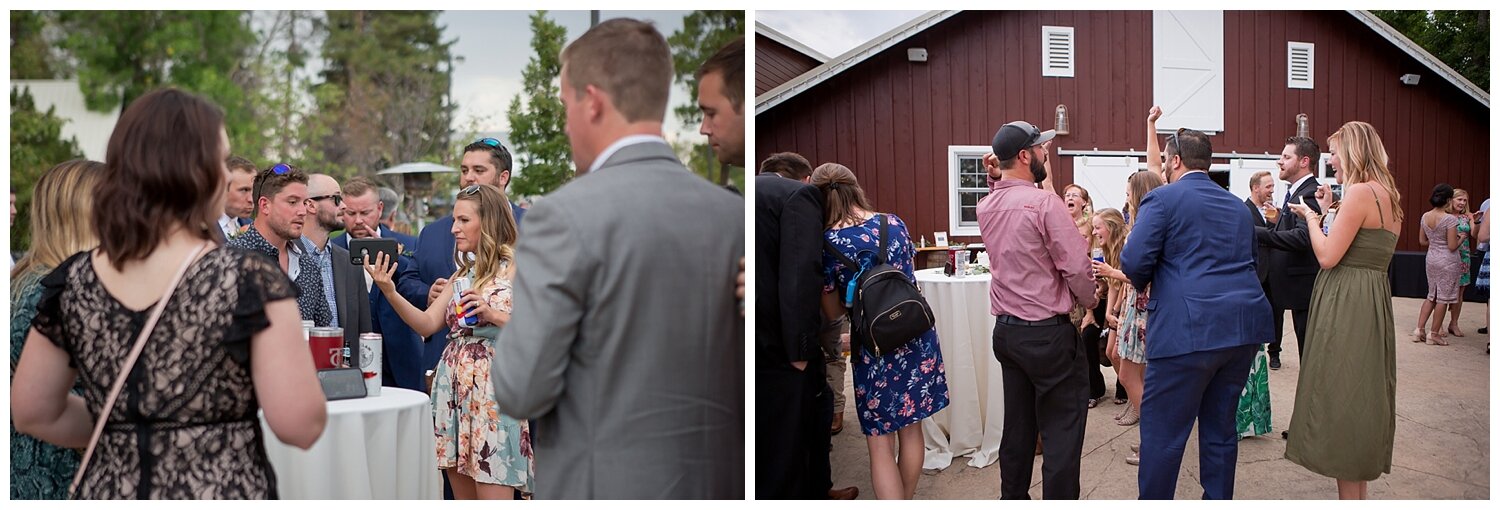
(1057,51)
(1299,65)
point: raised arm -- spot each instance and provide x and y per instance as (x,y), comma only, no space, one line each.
(423,322)
(1153,147)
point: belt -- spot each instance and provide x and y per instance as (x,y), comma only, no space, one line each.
(1011,320)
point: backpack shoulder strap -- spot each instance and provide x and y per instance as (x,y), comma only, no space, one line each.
(885,240)
(834,250)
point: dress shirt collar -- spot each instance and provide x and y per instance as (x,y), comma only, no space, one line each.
(622,143)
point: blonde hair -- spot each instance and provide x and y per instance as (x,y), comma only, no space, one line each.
(1452,208)
(1141,183)
(1362,158)
(841,193)
(497,235)
(61,211)
(1114,222)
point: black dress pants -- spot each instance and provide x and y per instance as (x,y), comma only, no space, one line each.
(793,411)
(1046,390)
(1299,327)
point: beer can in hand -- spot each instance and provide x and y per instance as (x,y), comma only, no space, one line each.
(460,285)
(370,353)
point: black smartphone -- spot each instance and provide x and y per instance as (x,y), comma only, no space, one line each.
(358,248)
(342,383)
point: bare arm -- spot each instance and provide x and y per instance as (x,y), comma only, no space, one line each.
(1153,147)
(1453,237)
(1047,164)
(1483,235)
(39,401)
(1353,212)
(286,383)
(424,322)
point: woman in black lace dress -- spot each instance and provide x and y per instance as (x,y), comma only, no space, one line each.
(227,345)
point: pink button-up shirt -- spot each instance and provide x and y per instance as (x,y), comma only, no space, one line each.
(1039,263)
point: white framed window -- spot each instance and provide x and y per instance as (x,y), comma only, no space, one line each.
(966,187)
(1057,51)
(1299,65)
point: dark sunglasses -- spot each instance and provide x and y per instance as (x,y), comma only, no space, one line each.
(1176,145)
(338,200)
(260,180)
(493,144)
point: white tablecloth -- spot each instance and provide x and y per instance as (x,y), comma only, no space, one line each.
(373,448)
(972,423)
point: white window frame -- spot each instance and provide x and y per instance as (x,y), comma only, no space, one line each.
(956,225)
(1059,72)
(1291,83)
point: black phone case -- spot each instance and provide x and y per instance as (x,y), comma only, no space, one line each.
(356,253)
(342,383)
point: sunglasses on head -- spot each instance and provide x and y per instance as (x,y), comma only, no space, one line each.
(473,189)
(278,169)
(493,143)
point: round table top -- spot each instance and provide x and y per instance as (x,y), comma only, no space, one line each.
(390,399)
(935,275)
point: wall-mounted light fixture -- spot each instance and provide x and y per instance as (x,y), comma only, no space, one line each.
(1411,79)
(916,54)
(1061,122)
(1302,128)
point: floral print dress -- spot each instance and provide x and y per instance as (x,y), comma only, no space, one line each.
(907,384)
(471,433)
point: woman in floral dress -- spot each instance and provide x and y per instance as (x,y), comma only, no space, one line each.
(893,392)
(487,455)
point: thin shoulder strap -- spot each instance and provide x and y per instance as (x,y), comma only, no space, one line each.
(1378,208)
(128,365)
(885,240)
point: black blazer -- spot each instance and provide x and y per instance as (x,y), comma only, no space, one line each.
(1293,266)
(788,271)
(1262,252)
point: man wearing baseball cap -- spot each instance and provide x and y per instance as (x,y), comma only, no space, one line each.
(1040,269)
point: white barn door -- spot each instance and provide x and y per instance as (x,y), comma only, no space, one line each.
(1187,54)
(1105,177)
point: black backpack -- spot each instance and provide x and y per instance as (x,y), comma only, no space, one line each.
(887,311)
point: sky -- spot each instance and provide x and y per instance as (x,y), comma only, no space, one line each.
(834,32)
(495,46)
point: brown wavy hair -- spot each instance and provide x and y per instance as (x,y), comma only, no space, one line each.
(841,194)
(164,166)
(497,234)
(61,212)
(1140,183)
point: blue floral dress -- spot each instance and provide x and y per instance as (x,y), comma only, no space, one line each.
(906,385)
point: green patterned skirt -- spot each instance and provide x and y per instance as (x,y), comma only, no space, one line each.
(1254,415)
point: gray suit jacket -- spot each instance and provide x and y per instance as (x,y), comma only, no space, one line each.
(352,299)
(626,345)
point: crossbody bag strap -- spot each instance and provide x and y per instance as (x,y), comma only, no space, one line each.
(128,365)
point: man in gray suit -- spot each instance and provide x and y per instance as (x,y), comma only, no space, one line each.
(626,345)
(347,298)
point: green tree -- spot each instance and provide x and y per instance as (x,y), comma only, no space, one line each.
(544,157)
(121,55)
(32,56)
(385,95)
(1460,39)
(36,144)
(702,34)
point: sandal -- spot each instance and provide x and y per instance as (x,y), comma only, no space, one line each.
(1419,335)
(1093,402)
(1120,401)
(1131,418)
(1454,332)
(1435,337)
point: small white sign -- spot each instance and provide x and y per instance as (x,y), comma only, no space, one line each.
(941,237)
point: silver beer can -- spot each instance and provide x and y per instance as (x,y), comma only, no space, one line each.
(306,329)
(370,354)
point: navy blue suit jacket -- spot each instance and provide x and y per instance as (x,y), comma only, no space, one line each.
(1195,245)
(435,260)
(405,362)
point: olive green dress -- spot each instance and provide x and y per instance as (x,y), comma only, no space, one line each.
(1344,418)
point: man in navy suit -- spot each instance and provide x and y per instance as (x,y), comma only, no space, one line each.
(1194,244)
(404,364)
(486,161)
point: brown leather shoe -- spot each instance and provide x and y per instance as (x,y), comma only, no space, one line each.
(844,493)
(838,425)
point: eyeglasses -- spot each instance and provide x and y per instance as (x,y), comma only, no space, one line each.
(473,189)
(338,200)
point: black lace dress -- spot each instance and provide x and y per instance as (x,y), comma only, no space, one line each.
(185,425)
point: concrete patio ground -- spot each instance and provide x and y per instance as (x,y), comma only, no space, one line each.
(1442,448)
